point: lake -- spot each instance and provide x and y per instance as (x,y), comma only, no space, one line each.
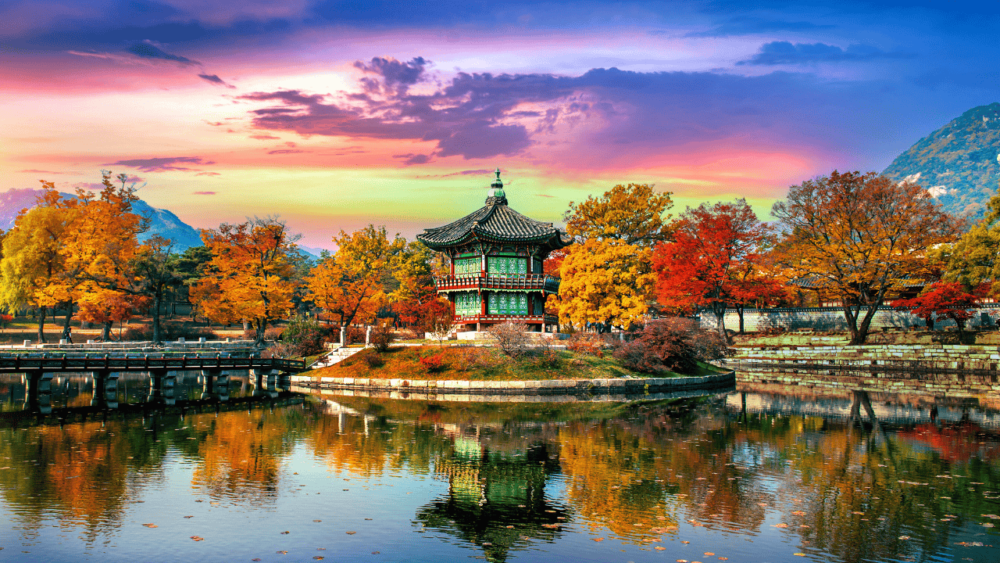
(738,476)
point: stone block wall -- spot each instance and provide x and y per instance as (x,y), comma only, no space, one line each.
(776,365)
(829,318)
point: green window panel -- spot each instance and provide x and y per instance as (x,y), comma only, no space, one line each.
(506,266)
(467,304)
(506,303)
(467,266)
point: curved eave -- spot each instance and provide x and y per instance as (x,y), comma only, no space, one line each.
(552,240)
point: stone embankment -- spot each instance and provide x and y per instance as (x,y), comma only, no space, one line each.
(636,386)
(940,370)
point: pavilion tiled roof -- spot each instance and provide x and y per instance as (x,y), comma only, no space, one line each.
(495,221)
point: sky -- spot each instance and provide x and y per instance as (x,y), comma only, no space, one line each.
(336,114)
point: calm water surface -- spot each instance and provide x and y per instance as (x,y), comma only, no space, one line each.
(739,477)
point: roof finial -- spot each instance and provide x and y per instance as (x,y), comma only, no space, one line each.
(496,193)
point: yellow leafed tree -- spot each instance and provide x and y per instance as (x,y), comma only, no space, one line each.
(352,284)
(605,282)
(33,267)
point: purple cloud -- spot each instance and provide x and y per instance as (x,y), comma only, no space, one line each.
(214,79)
(147,50)
(161,164)
(411,158)
(785,53)
(623,113)
(394,74)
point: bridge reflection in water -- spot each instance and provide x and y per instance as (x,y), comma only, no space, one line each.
(66,395)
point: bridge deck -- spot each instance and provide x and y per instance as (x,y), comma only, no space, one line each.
(67,363)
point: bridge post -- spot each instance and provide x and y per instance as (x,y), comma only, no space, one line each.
(217,383)
(163,384)
(106,389)
(40,392)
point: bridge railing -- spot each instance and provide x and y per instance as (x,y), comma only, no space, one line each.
(20,363)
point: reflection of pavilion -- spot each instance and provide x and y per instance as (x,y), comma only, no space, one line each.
(495,499)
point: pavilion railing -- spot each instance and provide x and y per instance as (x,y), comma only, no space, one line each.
(498,281)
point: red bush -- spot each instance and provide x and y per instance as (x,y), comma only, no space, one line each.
(433,363)
(671,344)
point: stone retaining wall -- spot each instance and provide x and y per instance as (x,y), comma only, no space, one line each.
(636,386)
(829,318)
(953,356)
(939,370)
(490,397)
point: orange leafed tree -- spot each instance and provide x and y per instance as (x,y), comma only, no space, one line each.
(103,245)
(714,262)
(858,237)
(249,276)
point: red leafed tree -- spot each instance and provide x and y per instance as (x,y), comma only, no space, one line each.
(714,262)
(941,300)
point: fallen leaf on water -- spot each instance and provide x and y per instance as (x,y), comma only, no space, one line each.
(151,525)
(782,525)
(904,537)
(799,513)
(556,526)
(189,516)
(197,538)
(351,533)
(285,533)
(660,548)
(987,525)
(510,527)
(801,554)
(723,559)
(682,561)
(281,552)
(598,539)
(685,542)
(318,557)
(376,552)
(857,512)
(367,518)
(709,554)
(255,559)
(317,520)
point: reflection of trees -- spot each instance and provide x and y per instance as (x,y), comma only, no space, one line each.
(239,453)
(85,473)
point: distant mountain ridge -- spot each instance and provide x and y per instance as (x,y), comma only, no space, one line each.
(163,222)
(959,164)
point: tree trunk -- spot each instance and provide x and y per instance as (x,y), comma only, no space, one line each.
(106,331)
(261,328)
(859,332)
(739,313)
(156,319)
(41,325)
(720,316)
(69,317)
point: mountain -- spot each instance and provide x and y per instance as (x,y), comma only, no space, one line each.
(163,222)
(959,164)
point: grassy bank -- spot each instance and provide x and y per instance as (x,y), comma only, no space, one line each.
(483,364)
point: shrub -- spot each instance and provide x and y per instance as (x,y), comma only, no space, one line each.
(280,350)
(548,358)
(355,334)
(433,363)
(372,359)
(670,344)
(382,335)
(588,343)
(5,320)
(511,338)
(305,334)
